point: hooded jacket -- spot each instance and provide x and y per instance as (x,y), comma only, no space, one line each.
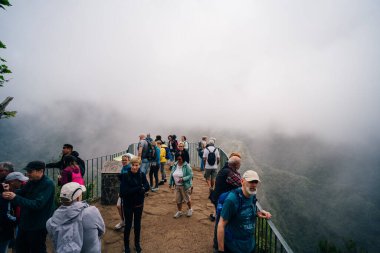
(76,228)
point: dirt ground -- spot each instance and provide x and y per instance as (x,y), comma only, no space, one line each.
(160,231)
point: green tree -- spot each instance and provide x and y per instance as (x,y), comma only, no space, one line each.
(4,70)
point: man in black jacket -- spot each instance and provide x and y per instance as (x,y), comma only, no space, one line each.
(67,149)
(36,200)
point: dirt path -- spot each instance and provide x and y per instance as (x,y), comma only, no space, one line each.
(160,231)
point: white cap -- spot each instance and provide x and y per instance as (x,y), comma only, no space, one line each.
(251,175)
(71,191)
(16,176)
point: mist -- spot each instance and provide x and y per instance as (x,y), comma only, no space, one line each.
(301,66)
(293,86)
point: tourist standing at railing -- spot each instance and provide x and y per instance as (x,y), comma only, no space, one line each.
(200,149)
(181,150)
(71,171)
(132,191)
(172,144)
(143,150)
(163,161)
(210,169)
(185,143)
(182,178)
(236,227)
(227,179)
(125,161)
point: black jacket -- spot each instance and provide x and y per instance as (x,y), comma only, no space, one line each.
(185,155)
(132,188)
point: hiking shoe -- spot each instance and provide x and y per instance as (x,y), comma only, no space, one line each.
(154,189)
(178,214)
(161,182)
(212,217)
(119,225)
(189,212)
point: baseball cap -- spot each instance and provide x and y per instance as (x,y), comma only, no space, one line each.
(16,176)
(35,165)
(71,191)
(251,175)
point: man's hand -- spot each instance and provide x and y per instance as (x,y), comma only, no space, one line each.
(5,187)
(9,195)
(264,214)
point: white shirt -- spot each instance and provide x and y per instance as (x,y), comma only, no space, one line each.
(205,155)
(178,174)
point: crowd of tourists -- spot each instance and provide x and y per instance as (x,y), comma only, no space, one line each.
(28,213)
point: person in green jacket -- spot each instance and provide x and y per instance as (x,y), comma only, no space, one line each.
(182,178)
(36,200)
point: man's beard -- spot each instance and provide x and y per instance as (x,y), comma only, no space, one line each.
(250,192)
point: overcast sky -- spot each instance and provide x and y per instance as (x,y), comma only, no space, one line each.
(296,66)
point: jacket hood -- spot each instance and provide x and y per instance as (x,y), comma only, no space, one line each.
(66,213)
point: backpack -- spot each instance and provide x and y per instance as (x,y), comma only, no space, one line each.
(168,155)
(76,177)
(221,201)
(211,157)
(82,166)
(151,154)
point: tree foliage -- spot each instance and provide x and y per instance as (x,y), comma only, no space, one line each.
(4,70)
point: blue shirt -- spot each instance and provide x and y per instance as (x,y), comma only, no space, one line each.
(241,217)
(125,168)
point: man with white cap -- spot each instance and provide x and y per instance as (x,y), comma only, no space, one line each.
(75,226)
(236,226)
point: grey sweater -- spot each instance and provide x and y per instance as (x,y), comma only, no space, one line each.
(76,228)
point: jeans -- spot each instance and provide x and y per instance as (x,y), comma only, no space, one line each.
(202,163)
(153,171)
(162,169)
(145,166)
(31,241)
(4,246)
(132,214)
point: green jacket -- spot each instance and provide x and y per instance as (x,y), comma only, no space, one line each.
(36,200)
(187,175)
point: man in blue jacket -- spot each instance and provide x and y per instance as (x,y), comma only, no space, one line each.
(36,200)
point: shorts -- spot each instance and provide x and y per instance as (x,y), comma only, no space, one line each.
(182,195)
(210,173)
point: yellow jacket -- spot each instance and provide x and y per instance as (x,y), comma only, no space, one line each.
(163,153)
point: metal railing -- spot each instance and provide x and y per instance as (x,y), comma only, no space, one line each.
(268,238)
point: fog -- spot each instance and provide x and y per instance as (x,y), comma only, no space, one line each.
(297,66)
(294,86)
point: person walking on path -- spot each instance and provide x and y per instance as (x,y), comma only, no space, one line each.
(182,178)
(132,191)
(211,165)
(236,227)
(36,200)
(75,226)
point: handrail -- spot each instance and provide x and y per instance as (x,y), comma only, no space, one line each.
(267,236)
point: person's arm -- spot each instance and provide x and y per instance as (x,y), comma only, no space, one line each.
(54,165)
(99,222)
(145,183)
(140,151)
(40,201)
(220,233)
(217,156)
(189,173)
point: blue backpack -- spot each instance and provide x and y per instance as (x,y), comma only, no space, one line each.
(168,155)
(219,207)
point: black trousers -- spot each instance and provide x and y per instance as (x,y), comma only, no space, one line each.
(153,171)
(31,241)
(130,214)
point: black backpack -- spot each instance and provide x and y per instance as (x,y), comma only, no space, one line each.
(82,166)
(211,157)
(151,152)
